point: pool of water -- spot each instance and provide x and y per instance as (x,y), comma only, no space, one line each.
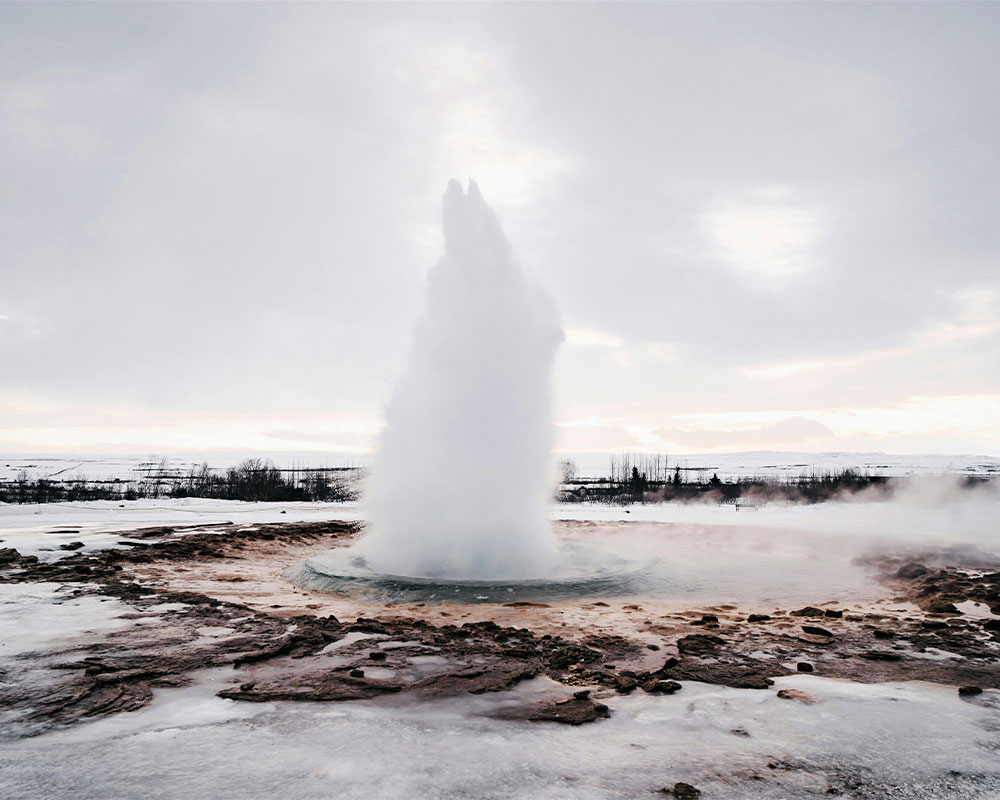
(652,561)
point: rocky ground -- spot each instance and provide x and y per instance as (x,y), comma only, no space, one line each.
(216,597)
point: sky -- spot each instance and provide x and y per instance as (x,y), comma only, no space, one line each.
(766,226)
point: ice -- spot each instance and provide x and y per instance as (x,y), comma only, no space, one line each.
(43,616)
(99,524)
(191,743)
(351,638)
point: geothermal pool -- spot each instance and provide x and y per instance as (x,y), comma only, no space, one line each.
(666,562)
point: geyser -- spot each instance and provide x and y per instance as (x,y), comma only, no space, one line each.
(463,473)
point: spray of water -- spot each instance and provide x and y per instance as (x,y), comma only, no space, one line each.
(463,472)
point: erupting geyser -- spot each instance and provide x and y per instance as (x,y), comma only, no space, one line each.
(462,475)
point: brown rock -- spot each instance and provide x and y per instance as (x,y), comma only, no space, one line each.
(575,710)
(663,687)
(682,791)
(699,644)
(800,696)
(880,655)
(911,571)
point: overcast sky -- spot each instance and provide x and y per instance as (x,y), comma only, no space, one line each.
(766,226)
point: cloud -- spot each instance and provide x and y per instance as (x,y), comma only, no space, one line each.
(765,236)
(752,208)
(581,337)
(579,437)
(343,439)
(788,431)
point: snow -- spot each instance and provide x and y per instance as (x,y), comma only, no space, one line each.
(32,529)
(922,739)
(190,743)
(43,616)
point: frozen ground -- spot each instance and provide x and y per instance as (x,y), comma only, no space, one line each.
(906,740)
(40,529)
(889,740)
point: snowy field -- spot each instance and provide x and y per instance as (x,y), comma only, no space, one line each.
(921,740)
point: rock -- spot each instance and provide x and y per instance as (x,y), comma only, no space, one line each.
(942,607)
(662,687)
(682,791)
(911,571)
(71,546)
(933,624)
(880,655)
(833,612)
(815,630)
(706,619)
(377,655)
(796,694)
(357,673)
(815,638)
(808,611)
(8,555)
(804,666)
(625,684)
(758,618)
(969,691)
(992,625)
(699,644)
(575,710)
(881,633)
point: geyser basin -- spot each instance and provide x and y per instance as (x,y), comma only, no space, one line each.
(581,569)
(671,564)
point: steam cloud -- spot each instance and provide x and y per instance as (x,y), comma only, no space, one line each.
(462,476)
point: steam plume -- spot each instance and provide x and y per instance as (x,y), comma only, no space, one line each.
(462,475)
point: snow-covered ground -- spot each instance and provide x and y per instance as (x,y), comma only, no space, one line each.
(923,740)
(40,529)
(914,740)
(912,519)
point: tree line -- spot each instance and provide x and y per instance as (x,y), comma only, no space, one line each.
(252,480)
